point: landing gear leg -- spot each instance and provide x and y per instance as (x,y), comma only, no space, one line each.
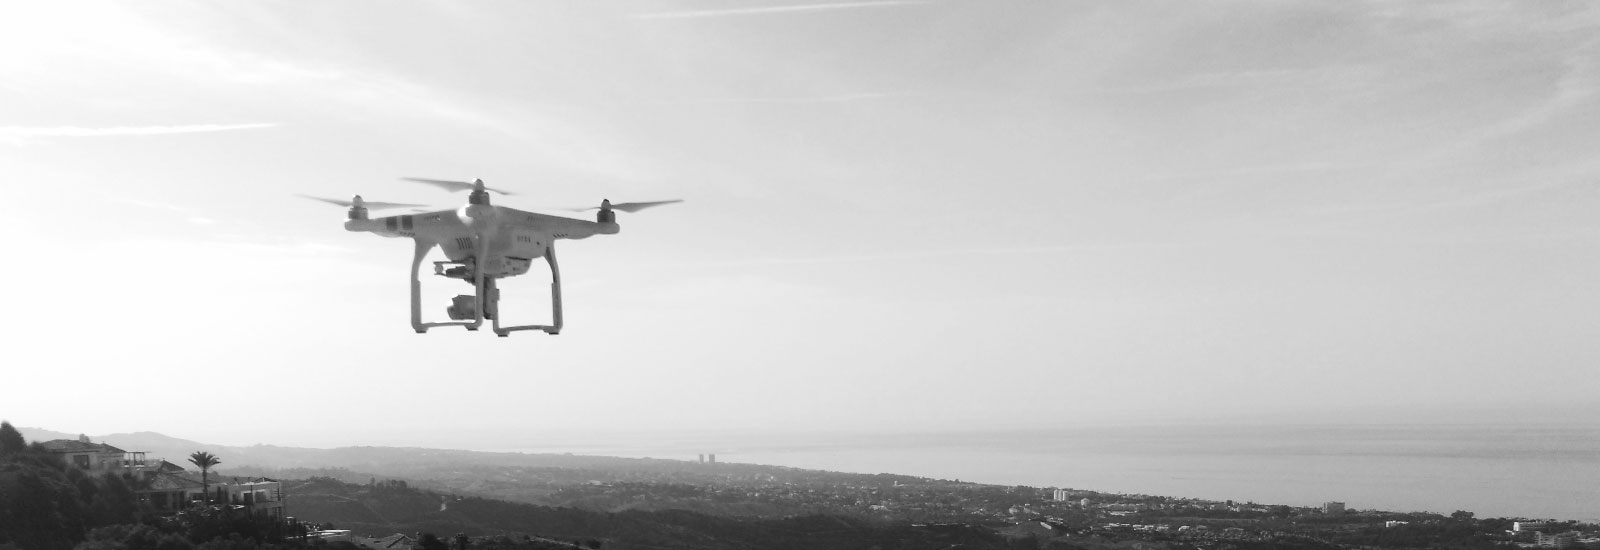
(422,249)
(555,302)
(555,292)
(480,245)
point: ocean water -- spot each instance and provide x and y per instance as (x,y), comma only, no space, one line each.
(1494,471)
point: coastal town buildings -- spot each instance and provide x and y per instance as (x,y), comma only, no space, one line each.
(168,487)
(262,497)
(1555,540)
(95,457)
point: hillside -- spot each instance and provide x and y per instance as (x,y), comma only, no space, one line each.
(390,507)
(634,503)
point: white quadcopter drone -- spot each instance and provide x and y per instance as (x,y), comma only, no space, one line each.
(483,243)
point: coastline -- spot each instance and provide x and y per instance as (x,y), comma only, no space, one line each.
(1493,471)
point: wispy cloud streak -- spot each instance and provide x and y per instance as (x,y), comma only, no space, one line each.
(773,10)
(79,131)
(768,100)
(841,98)
(927,254)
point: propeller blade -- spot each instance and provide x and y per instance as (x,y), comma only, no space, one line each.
(629,206)
(453,185)
(637,206)
(370,205)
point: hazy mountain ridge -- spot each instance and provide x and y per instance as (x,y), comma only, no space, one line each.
(36,435)
(518,477)
(177,450)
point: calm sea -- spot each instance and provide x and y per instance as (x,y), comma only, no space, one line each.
(1493,471)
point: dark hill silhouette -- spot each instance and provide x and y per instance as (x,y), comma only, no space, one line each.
(389,507)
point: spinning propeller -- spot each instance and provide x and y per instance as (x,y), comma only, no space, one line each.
(478,197)
(453,186)
(357,202)
(625,206)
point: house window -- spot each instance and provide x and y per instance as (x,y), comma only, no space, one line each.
(81,461)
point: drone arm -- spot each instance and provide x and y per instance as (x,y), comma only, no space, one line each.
(387,226)
(561,227)
(583,229)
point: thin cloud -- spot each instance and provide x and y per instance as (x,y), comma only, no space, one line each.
(1343,79)
(25,132)
(926,254)
(773,10)
(190,215)
(1497,196)
(772,100)
(841,98)
(776,99)
(153,204)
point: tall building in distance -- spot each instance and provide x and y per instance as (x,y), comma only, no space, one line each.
(702,458)
(1520,526)
(1331,507)
(712,457)
(1060,495)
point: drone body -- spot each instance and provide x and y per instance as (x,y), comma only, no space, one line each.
(482,243)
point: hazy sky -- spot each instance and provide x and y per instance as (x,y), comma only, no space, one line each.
(900,215)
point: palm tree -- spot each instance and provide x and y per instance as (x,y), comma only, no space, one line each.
(205,461)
